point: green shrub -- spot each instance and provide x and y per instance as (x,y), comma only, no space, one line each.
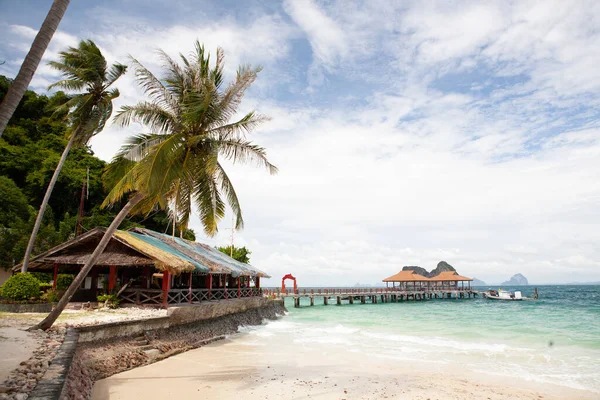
(22,286)
(51,296)
(45,286)
(43,277)
(63,281)
(111,300)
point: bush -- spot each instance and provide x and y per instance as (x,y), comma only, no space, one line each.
(111,300)
(51,296)
(22,286)
(63,281)
(43,277)
(44,287)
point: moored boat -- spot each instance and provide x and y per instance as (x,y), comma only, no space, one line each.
(503,295)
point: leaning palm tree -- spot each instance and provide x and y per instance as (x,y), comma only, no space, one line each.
(32,60)
(83,68)
(189,115)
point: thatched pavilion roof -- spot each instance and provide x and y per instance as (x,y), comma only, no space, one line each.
(141,247)
(406,276)
(449,276)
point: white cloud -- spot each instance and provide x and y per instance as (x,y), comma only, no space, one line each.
(396,165)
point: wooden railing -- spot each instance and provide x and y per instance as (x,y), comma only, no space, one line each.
(363,291)
(182,296)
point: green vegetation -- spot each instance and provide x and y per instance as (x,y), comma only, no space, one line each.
(51,296)
(21,287)
(29,152)
(239,253)
(83,68)
(63,281)
(176,164)
(110,300)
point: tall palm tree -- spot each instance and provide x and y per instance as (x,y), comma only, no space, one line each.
(177,163)
(83,68)
(32,60)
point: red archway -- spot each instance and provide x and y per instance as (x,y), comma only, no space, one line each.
(288,276)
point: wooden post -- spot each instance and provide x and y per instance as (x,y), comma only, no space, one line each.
(339,300)
(112,278)
(351,299)
(325,300)
(312,301)
(239,287)
(166,284)
(209,280)
(257,282)
(55,276)
(190,292)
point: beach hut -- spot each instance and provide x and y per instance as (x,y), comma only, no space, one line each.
(147,267)
(407,279)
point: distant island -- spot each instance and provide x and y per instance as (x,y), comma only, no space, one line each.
(441,267)
(516,280)
(478,282)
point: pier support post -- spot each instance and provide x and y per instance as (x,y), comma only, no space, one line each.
(296,302)
(363,299)
(325,300)
(339,300)
(374,299)
(351,299)
(312,301)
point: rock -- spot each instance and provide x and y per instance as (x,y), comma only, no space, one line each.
(441,267)
(478,282)
(4,389)
(21,396)
(516,280)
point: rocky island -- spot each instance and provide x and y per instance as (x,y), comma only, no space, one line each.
(478,282)
(441,267)
(516,280)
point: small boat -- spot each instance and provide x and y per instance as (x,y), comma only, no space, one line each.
(503,295)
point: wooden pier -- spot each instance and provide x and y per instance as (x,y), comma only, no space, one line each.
(375,295)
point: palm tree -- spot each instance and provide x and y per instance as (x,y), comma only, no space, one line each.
(83,68)
(177,163)
(31,62)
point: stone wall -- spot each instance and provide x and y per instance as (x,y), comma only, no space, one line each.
(26,308)
(179,315)
(108,349)
(200,312)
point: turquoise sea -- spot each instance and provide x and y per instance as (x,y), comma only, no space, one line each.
(555,339)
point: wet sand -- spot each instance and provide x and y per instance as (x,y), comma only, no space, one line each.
(234,369)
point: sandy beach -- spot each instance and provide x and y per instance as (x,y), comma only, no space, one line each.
(238,369)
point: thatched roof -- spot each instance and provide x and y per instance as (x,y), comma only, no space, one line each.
(449,276)
(406,276)
(143,247)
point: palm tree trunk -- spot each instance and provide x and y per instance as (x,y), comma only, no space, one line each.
(44,205)
(55,313)
(32,60)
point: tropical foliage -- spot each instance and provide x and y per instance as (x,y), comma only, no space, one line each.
(189,116)
(29,151)
(238,253)
(83,68)
(21,287)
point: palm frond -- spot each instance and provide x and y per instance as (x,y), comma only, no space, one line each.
(115,72)
(153,87)
(243,151)
(209,203)
(159,119)
(232,199)
(239,128)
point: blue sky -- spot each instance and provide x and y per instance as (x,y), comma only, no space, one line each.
(406,132)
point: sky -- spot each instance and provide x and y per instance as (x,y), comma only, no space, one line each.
(405,132)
